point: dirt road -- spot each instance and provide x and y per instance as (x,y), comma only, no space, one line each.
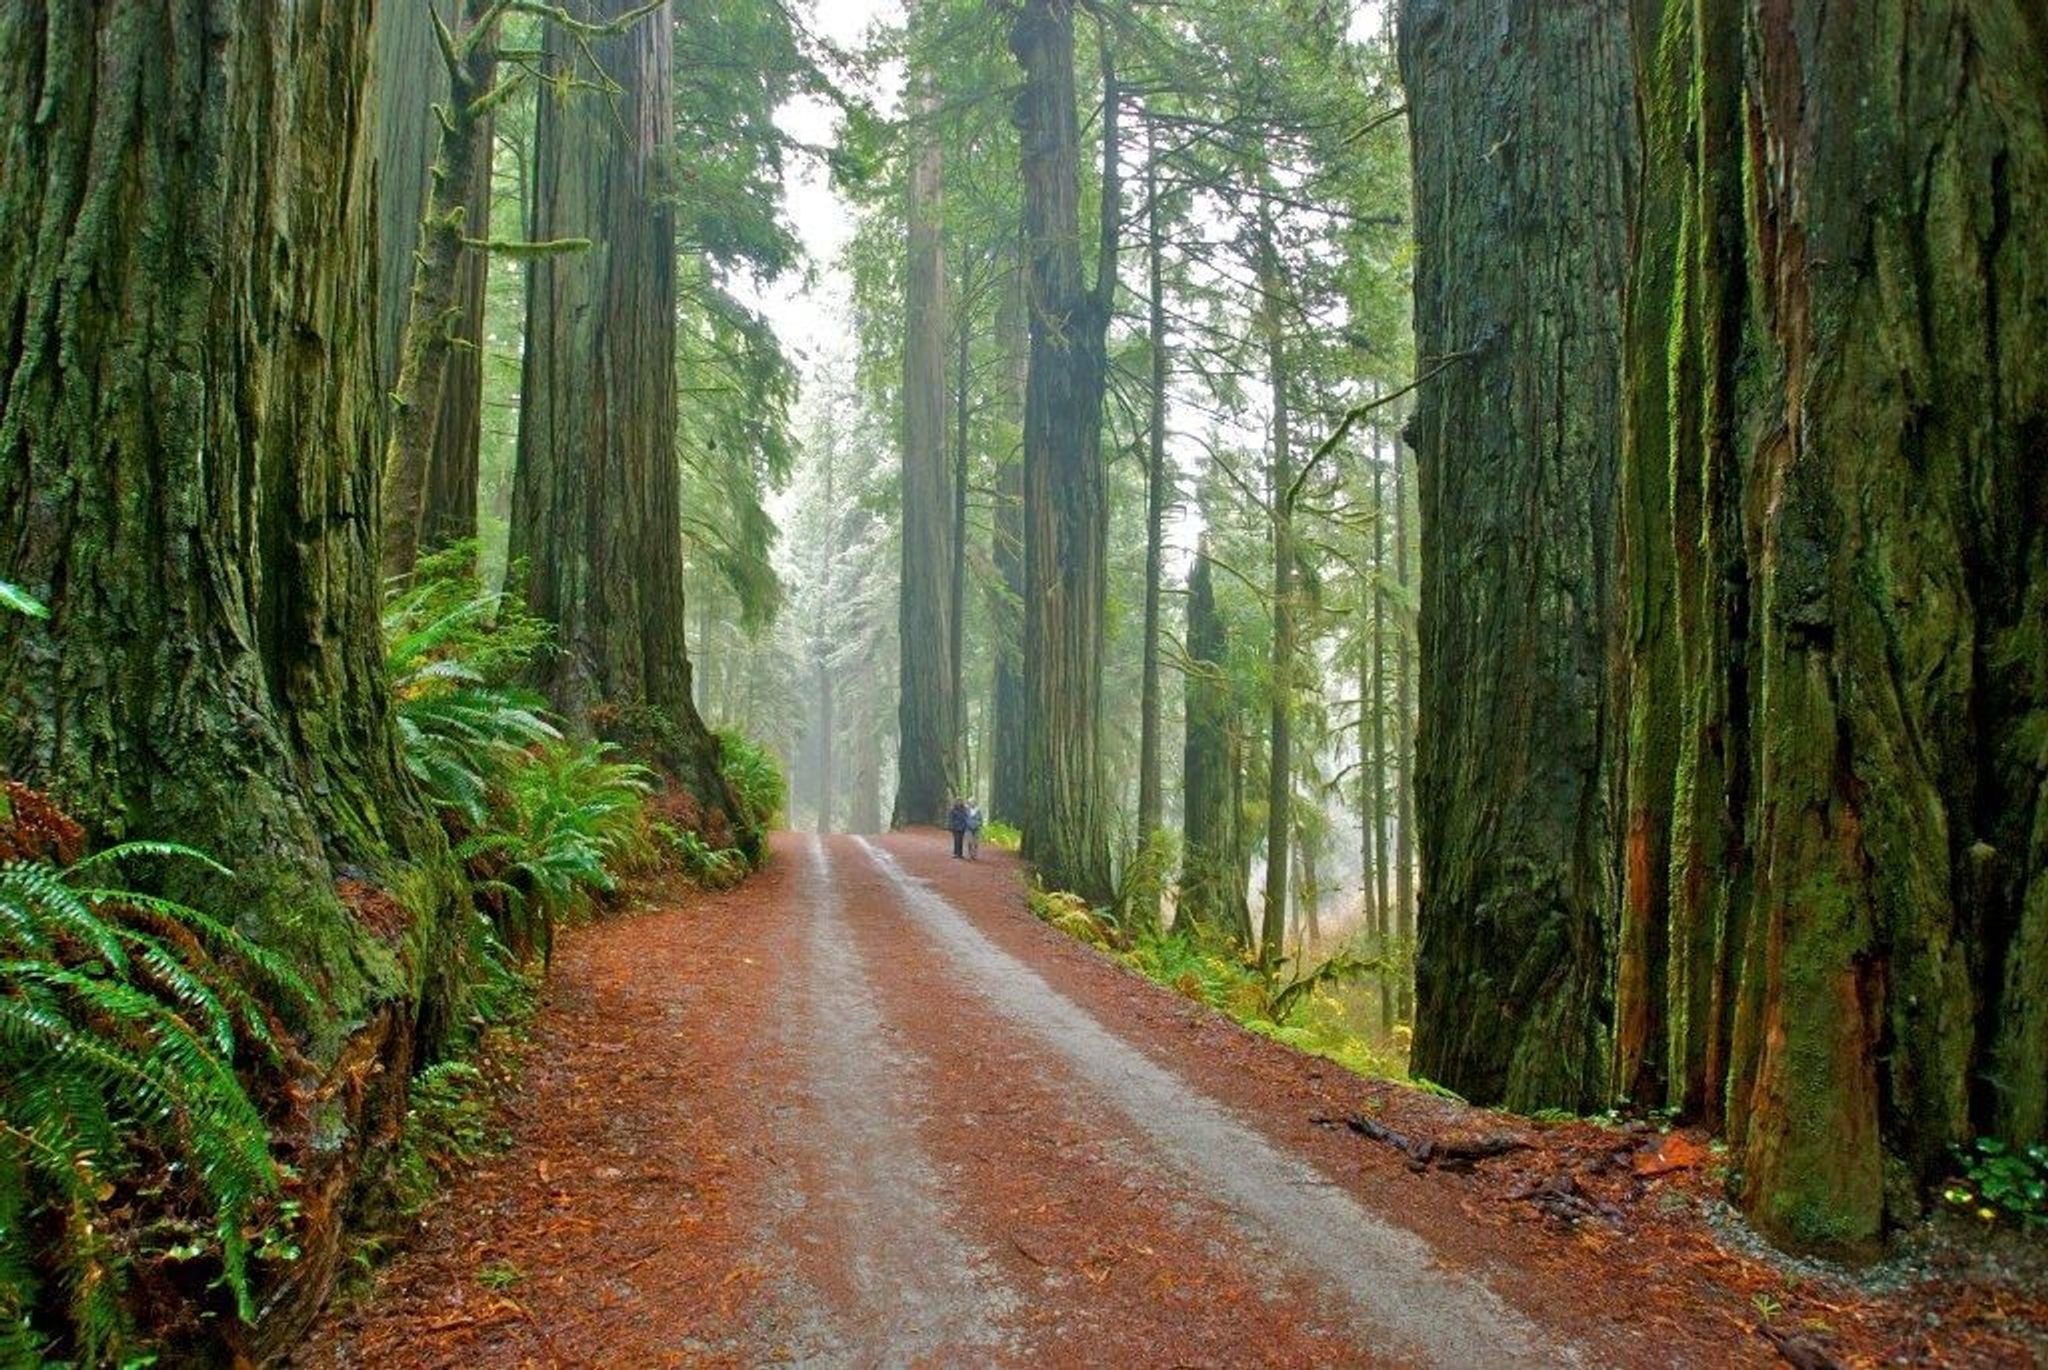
(868,1112)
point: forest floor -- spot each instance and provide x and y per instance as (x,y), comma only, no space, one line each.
(868,1111)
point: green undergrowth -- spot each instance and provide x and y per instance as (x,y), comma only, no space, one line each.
(1997,1182)
(128,1141)
(1318,1011)
(453,1118)
(546,824)
(139,1031)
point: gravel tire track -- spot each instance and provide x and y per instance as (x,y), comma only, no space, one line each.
(880,1274)
(1400,1292)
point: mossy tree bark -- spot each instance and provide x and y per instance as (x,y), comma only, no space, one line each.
(1840,632)
(1066,516)
(1522,119)
(188,442)
(927,775)
(1212,882)
(596,500)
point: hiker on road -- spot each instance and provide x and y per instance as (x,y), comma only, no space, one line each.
(956,823)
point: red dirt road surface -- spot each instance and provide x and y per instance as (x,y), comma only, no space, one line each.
(867,1111)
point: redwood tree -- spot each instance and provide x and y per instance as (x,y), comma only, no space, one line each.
(1066,517)
(927,707)
(1522,120)
(188,442)
(596,503)
(1839,574)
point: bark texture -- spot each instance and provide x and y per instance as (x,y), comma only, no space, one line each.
(1522,117)
(449,512)
(596,503)
(1213,877)
(1838,546)
(927,712)
(1066,517)
(188,442)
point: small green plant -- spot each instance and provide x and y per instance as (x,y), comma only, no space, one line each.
(1072,915)
(757,781)
(499,1276)
(1000,834)
(17,600)
(703,865)
(2001,1182)
(119,1026)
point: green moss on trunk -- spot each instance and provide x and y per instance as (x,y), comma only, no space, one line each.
(1844,498)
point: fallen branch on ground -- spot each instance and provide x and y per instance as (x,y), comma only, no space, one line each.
(1422,1152)
(1562,1197)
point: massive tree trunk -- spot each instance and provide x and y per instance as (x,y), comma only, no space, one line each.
(824,677)
(927,711)
(596,504)
(1007,725)
(956,594)
(1840,625)
(188,441)
(1372,740)
(408,78)
(1212,882)
(449,512)
(1522,118)
(1066,516)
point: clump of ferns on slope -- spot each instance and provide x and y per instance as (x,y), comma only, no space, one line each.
(121,1015)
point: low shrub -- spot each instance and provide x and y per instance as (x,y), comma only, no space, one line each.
(1305,1011)
(452,652)
(706,866)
